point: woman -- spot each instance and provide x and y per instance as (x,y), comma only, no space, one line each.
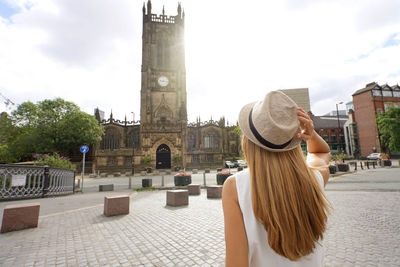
(275,211)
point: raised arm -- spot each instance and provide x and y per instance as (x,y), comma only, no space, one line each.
(318,150)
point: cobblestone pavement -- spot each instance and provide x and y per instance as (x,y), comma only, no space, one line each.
(364,229)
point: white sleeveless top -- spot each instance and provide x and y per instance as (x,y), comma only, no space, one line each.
(260,253)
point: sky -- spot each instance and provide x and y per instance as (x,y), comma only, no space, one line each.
(89,52)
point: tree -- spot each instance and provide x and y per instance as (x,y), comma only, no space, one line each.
(389,128)
(78,128)
(46,127)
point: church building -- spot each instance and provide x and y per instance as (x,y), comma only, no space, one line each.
(163,138)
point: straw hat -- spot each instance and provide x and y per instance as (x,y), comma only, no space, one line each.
(271,123)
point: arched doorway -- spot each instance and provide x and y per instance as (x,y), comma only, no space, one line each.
(163,157)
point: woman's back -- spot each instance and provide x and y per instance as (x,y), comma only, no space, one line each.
(259,251)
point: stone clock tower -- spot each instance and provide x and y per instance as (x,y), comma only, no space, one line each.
(163,114)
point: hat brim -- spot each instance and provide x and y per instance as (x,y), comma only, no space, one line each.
(245,127)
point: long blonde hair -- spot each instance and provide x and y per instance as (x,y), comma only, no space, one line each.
(287,199)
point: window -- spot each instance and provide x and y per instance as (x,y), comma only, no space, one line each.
(110,139)
(379,110)
(326,138)
(129,139)
(376,92)
(333,139)
(387,93)
(396,93)
(210,158)
(233,148)
(211,140)
(191,141)
(195,159)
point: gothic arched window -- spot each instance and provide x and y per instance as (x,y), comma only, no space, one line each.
(111,139)
(211,140)
(191,141)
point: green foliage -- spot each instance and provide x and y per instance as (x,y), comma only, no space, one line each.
(54,160)
(79,128)
(338,157)
(144,189)
(389,128)
(177,159)
(147,160)
(46,127)
(236,131)
(5,155)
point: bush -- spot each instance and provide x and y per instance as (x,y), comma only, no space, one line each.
(54,160)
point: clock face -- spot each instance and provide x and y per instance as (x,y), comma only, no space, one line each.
(163,81)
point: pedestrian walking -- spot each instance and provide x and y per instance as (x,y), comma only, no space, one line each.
(275,211)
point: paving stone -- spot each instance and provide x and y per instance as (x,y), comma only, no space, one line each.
(363,229)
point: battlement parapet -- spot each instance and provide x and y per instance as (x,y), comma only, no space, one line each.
(162,19)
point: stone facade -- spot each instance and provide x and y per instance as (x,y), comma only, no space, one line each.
(163,139)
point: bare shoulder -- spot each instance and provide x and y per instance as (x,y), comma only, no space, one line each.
(229,188)
(320,161)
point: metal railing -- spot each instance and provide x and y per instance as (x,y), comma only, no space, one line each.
(21,182)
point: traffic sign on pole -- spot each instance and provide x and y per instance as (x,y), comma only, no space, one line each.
(84,149)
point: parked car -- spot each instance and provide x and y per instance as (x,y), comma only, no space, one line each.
(241,163)
(229,164)
(374,156)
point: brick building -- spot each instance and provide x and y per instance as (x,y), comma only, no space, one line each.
(331,130)
(368,102)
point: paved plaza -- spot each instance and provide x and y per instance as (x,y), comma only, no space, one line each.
(363,230)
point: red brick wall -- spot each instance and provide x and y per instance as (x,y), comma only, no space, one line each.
(365,116)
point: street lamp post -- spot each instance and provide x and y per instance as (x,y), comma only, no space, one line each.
(338,122)
(133,144)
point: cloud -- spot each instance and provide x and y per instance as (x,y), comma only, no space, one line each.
(89,52)
(81,33)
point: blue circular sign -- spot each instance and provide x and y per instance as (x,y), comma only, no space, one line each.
(84,149)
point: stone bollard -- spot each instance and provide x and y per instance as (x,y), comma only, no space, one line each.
(116,205)
(194,189)
(177,198)
(194,171)
(214,191)
(20,216)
